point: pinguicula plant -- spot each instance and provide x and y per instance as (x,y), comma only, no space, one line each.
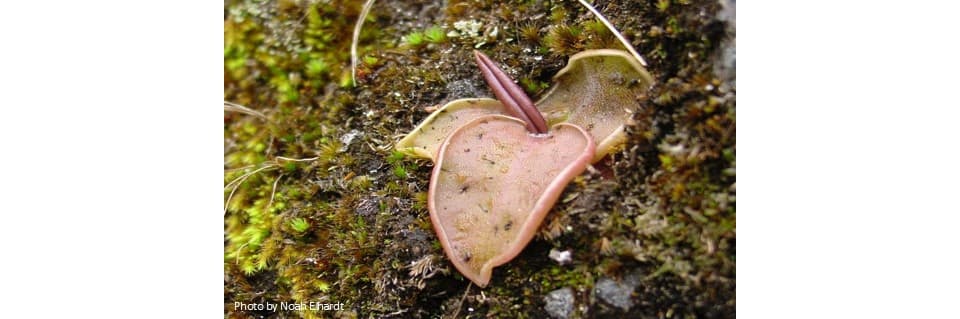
(596,91)
(500,165)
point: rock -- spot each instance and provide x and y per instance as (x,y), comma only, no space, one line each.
(346,139)
(559,303)
(464,88)
(617,294)
(725,63)
(561,257)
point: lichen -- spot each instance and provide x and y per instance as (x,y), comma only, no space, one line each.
(663,207)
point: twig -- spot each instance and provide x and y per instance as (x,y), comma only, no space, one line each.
(234,107)
(459,306)
(238,181)
(297,159)
(274,191)
(614,30)
(238,168)
(235,183)
(237,261)
(396,313)
(356,36)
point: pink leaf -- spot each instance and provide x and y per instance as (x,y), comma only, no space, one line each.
(494,182)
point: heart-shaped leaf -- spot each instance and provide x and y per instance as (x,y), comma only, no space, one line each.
(494,182)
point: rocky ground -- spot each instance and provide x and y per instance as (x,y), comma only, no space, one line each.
(321,208)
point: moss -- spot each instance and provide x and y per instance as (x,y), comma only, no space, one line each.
(435,34)
(534,86)
(564,40)
(530,32)
(415,39)
(299,224)
(347,222)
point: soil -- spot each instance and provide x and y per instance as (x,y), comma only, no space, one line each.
(320,208)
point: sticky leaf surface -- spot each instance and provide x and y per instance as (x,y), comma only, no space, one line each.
(597,91)
(426,138)
(494,182)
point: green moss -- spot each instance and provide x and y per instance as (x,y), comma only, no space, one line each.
(558,14)
(663,5)
(530,32)
(534,86)
(346,80)
(435,34)
(299,224)
(317,67)
(400,171)
(564,39)
(361,183)
(395,157)
(348,224)
(414,39)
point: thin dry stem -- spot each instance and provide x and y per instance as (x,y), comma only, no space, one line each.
(616,33)
(235,183)
(237,260)
(356,36)
(459,306)
(239,180)
(297,159)
(274,190)
(238,168)
(234,107)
